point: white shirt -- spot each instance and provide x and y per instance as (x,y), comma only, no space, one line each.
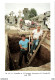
(36,34)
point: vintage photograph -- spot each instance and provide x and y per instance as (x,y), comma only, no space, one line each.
(27,37)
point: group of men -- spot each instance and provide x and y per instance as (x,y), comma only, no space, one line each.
(35,38)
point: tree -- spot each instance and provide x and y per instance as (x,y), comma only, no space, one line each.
(32,13)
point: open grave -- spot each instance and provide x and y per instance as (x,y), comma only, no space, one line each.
(13,51)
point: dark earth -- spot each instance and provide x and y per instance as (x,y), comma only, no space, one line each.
(42,56)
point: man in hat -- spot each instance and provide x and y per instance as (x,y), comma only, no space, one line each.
(35,35)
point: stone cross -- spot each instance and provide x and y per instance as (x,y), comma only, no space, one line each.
(19,13)
(11,13)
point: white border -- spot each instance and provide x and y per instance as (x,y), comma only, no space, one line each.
(2,43)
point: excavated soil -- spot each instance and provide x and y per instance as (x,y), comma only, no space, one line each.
(42,56)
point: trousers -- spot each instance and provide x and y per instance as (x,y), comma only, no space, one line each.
(34,45)
(23,53)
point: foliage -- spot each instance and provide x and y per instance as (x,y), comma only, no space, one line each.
(32,13)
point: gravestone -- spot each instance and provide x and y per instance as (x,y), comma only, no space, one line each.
(19,14)
(11,18)
(19,18)
(26,13)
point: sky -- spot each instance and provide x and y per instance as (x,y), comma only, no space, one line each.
(15,7)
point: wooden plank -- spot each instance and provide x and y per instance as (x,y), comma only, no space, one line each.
(37,48)
(46,45)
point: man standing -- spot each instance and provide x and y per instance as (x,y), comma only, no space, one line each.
(36,34)
(23,49)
